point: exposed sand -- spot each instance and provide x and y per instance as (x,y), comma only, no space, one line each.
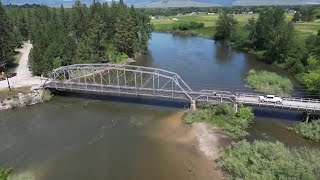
(24,76)
(203,139)
(210,139)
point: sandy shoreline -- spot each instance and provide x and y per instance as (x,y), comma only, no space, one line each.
(202,139)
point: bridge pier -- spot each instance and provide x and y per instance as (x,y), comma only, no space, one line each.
(235,107)
(193,105)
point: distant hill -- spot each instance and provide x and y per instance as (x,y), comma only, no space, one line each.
(172,3)
(275,2)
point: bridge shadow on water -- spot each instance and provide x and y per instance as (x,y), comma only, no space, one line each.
(259,112)
(281,114)
(128,99)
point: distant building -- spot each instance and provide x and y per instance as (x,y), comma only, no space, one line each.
(291,11)
(175,19)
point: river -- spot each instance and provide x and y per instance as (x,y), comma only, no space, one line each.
(95,137)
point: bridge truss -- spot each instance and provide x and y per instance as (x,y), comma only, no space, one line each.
(130,80)
(153,82)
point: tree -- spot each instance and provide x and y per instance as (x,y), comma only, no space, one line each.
(7,40)
(125,37)
(312,80)
(226,26)
(23,27)
(79,20)
(251,27)
(296,17)
(273,34)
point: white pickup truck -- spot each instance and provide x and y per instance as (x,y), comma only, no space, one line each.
(270,98)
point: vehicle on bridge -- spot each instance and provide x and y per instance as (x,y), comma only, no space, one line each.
(270,98)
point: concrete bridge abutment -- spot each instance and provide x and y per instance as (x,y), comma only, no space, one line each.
(193,106)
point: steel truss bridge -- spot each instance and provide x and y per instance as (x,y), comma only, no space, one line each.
(118,79)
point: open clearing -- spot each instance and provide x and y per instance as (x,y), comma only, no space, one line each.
(303,29)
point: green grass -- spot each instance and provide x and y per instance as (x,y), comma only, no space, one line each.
(303,29)
(269,83)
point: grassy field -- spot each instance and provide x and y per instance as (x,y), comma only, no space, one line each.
(303,29)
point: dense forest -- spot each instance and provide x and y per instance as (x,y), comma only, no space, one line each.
(271,36)
(96,34)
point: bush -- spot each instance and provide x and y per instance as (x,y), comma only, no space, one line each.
(269,83)
(4,173)
(46,96)
(268,160)
(187,26)
(308,130)
(14,104)
(28,100)
(223,116)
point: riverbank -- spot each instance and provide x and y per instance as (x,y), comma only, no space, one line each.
(20,99)
(204,141)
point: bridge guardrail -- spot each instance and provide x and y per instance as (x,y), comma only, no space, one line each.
(297,99)
(283,106)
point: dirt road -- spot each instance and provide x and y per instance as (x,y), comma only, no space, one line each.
(24,76)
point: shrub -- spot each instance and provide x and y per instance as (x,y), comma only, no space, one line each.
(308,130)
(115,56)
(223,116)
(187,26)
(269,83)
(46,96)
(14,104)
(268,160)
(28,100)
(4,173)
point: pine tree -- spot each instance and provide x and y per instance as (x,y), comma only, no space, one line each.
(79,20)
(7,40)
(23,27)
(125,39)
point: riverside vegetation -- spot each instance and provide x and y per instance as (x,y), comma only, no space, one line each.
(309,130)
(5,174)
(269,160)
(223,116)
(291,42)
(269,83)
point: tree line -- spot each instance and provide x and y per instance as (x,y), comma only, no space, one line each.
(271,36)
(313,10)
(95,34)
